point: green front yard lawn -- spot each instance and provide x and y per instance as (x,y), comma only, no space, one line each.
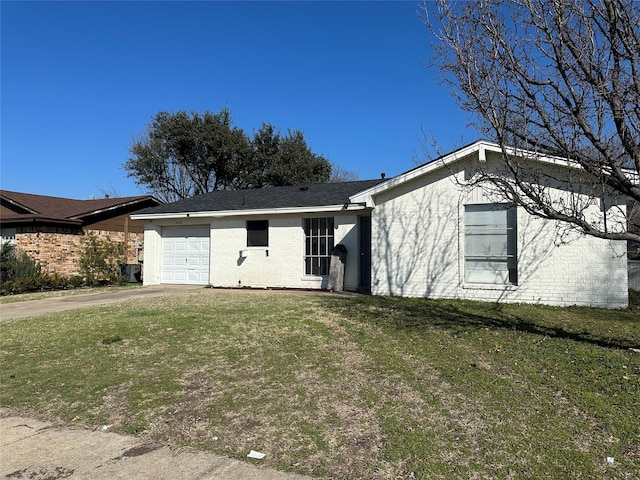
(345,386)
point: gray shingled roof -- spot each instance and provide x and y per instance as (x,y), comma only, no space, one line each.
(266,198)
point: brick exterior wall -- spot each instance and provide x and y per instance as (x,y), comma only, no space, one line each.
(59,252)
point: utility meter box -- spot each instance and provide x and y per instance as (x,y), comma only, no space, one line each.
(133,273)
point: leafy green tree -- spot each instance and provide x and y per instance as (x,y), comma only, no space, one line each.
(186,154)
(279,160)
(265,152)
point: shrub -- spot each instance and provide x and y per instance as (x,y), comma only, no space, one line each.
(100,263)
(101,260)
(75,282)
(15,264)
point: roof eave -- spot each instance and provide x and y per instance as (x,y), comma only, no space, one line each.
(119,206)
(38,220)
(250,212)
(18,205)
(480,147)
(366,196)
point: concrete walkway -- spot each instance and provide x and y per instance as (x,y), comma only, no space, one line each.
(32,449)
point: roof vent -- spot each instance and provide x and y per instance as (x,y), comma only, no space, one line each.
(303,189)
(382,175)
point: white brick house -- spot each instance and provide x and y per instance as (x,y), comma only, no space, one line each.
(279,237)
(422,233)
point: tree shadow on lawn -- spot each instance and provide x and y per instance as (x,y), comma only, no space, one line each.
(591,325)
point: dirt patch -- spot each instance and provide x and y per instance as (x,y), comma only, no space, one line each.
(114,406)
(632,452)
(189,418)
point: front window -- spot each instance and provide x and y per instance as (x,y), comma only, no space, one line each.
(490,244)
(257,233)
(318,237)
(9,236)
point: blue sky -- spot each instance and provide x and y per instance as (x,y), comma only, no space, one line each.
(80,81)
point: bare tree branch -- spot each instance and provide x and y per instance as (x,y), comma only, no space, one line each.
(558,77)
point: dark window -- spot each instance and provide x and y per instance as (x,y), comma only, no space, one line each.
(257,233)
(318,238)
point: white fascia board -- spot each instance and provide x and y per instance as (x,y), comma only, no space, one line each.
(481,147)
(366,196)
(243,213)
(558,161)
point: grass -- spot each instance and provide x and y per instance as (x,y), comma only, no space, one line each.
(345,386)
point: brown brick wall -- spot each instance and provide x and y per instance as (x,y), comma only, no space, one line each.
(60,252)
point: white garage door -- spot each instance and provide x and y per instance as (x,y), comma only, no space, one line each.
(185,255)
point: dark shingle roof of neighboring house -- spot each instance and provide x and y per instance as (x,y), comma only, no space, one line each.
(33,208)
(315,195)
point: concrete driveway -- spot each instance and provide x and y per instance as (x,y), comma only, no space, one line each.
(80,300)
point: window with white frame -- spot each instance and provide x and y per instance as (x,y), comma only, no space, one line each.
(318,238)
(490,244)
(8,236)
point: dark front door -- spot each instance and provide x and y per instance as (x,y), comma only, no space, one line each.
(365,255)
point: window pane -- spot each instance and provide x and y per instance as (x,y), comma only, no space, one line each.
(490,244)
(257,233)
(485,271)
(499,245)
(324,266)
(307,266)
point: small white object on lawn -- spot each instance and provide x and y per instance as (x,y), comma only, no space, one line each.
(610,460)
(257,455)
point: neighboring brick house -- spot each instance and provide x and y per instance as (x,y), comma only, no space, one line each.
(51,229)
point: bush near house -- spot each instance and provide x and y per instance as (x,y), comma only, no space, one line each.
(16,264)
(19,273)
(100,264)
(101,260)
